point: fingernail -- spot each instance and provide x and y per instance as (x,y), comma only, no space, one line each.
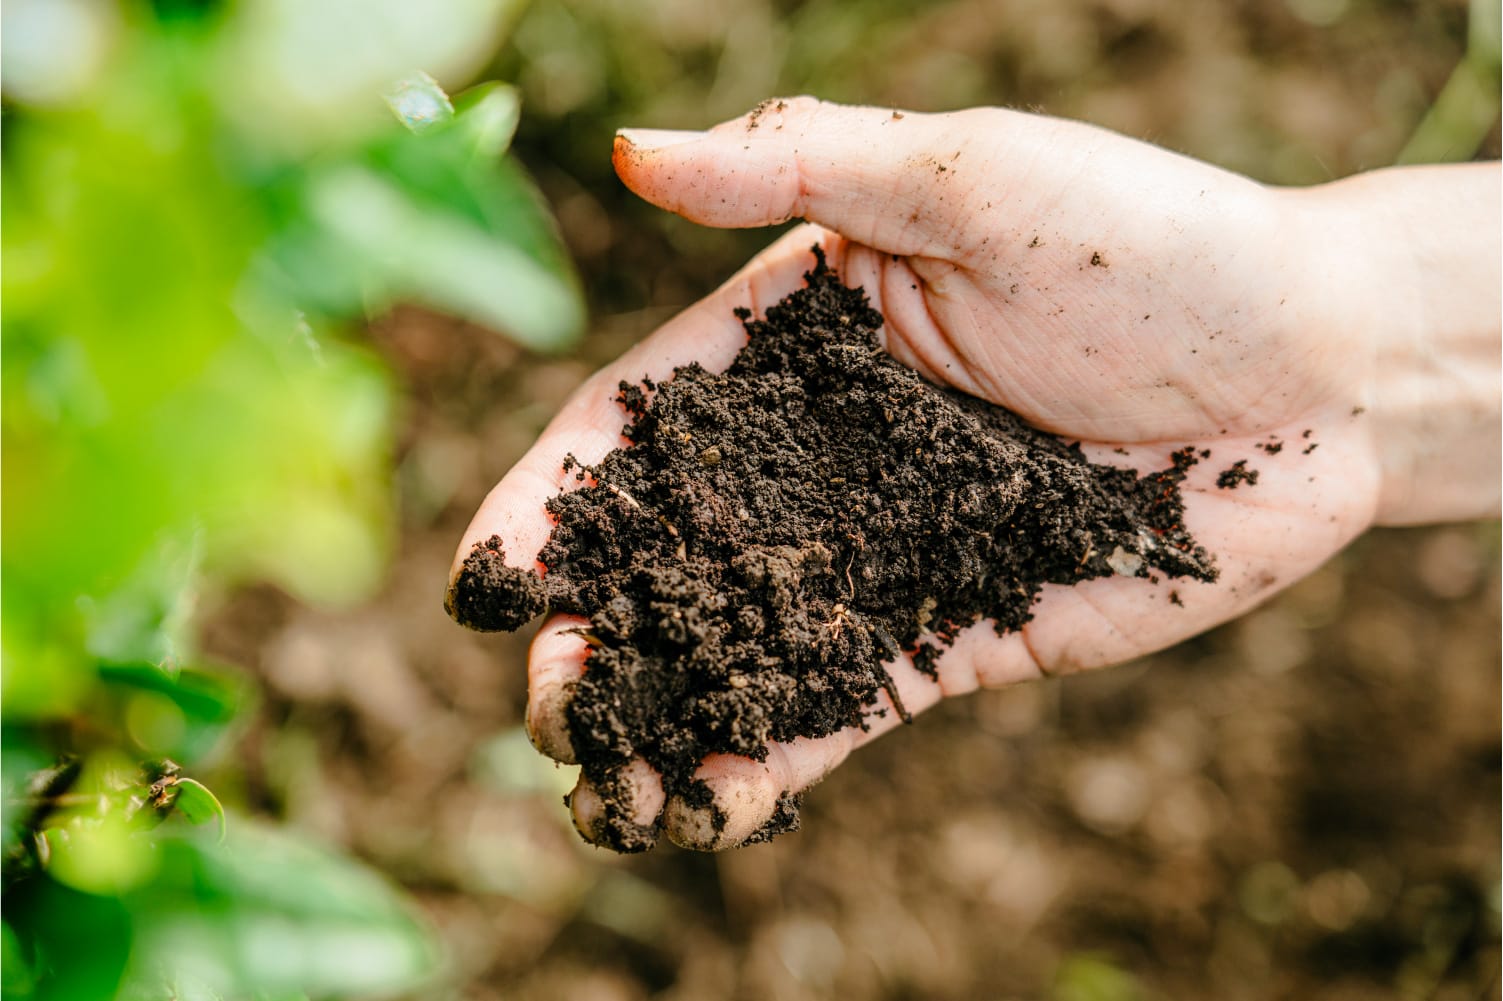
(607,821)
(656,139)
(586,810)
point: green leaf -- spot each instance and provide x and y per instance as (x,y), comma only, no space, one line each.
(1484,36)
(415,250)
(203,695)
(1089,977)
(105,855)
(264,914)
(420,103)
(271,914)
(433,218)
(487,118)
(509,764)
(148,616)
(75,945)
(301,74)
(198,805)
(151,409)
(21,761)
(1467,106)
(17,978)
(182,716)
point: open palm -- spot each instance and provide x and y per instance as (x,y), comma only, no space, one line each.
(1102,288)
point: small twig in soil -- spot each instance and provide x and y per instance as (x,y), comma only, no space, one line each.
(593,641)
(634,503)
(885,638)
(891,688)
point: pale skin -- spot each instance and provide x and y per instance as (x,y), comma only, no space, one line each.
(1106,290)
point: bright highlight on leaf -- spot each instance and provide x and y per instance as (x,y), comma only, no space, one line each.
(420,103)
(419,252)
(488,116)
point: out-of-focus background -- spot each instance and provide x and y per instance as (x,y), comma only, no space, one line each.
(278,312)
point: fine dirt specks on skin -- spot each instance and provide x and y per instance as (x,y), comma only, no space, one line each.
(773,536)
(754,118)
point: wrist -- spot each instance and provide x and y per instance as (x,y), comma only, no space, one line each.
(1417,284)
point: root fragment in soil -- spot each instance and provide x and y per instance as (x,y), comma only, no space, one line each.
(773,537)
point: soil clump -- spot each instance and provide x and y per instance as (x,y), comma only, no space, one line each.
(773,536)
(1237,474)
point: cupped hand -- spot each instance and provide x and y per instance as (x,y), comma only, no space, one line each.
(1104,289)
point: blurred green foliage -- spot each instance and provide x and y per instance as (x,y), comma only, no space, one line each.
(1466,108)
(199,198)
(1086,977)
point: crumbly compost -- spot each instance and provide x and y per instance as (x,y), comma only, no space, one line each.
(774,536)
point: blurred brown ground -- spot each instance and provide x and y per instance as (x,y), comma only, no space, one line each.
(1302,804)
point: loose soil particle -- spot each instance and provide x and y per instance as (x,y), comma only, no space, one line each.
(773,536)
(1230,479)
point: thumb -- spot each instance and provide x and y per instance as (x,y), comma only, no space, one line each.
(896,181)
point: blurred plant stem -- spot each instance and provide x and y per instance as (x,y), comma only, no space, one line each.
(1467,106)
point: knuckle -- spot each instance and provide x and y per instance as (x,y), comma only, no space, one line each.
(801,105)
(958,675)
(989,673)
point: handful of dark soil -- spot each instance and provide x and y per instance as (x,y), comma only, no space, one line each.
(774,536)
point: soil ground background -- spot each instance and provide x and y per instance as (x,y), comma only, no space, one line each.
(1302,804)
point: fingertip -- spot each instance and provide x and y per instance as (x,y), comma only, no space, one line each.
(798,157)
(586,809)
(624,156)
(731,799)
(698,824)
(547,725)
(627,157)
(622,812)
(554,666)
(736,800)
(693,825)
(637,156)
(507,532)
(640,141)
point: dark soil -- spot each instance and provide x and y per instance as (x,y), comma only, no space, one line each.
(774,535)
(493,596)
(1230,479)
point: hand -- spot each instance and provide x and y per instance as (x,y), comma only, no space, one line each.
(1105,290)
